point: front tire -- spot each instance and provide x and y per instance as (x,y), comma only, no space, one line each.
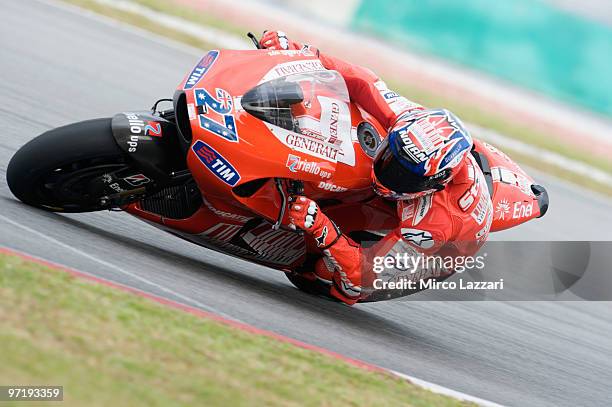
(54,171)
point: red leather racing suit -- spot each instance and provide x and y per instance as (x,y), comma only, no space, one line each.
(454,221)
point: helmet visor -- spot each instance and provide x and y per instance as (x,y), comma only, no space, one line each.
(394,176)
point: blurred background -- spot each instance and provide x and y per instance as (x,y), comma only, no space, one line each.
(561,48)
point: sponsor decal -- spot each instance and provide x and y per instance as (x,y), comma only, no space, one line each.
(260,243)
(191,111)
(407,209)
(201,69)
(328,186)
(137,180)
(335,126)
(453,157)
(480,210)
(321,239)
(298,164)
(215,113)
(216,163)
(411,149)
(469,197)
(224,214)
(333,122)
(304,52)
(507,176)
(422,208)
(312,146)
(502,209)
(522,210)
(390,95)
(477,195)
(136,129)
(116,187)
(482,234)
(401,104)
(153,129)
(420,238)
(396,102)
(292,68)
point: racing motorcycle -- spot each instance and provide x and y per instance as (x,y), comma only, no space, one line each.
(246,130)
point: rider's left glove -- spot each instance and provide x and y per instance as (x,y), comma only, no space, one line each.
(278,40)
(341,252)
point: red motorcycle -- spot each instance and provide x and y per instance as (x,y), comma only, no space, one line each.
(247,129)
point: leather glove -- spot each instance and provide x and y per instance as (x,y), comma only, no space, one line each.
(306,215)
(278,40)
(342,255)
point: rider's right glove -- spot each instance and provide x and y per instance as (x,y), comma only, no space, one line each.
(342,255)
(278,40)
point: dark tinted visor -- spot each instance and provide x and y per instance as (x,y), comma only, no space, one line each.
(392,175)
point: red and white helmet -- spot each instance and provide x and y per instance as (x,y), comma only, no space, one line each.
(420,155)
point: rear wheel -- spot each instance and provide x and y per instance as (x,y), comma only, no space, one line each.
(56,170)
(304,279)
(307,283)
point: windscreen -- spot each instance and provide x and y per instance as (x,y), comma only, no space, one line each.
(302,103)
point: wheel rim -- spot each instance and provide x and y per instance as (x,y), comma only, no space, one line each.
(70,187)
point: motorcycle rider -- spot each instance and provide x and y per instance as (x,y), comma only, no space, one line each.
(424,163)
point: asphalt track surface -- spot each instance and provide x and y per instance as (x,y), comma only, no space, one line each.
(59,67)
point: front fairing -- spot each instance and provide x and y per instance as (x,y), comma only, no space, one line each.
(308,139)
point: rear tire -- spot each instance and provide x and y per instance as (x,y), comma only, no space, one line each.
(52,171)
(310,286)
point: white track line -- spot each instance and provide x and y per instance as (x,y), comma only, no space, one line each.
(434,388)
(187,300)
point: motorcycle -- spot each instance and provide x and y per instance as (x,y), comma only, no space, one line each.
(246,130)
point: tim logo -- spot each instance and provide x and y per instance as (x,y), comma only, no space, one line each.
(153,129)
(215,113)
(216,163)
(201,69)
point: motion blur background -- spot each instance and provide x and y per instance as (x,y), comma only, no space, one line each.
(561,48)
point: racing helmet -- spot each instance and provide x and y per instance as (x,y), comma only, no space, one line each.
(421,154)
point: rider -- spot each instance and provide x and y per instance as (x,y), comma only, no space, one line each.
(424,163)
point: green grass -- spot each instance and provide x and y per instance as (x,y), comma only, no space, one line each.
(108,347)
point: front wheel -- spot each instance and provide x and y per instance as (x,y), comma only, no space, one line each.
(57,170)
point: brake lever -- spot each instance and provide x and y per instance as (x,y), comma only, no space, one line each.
(255,40)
